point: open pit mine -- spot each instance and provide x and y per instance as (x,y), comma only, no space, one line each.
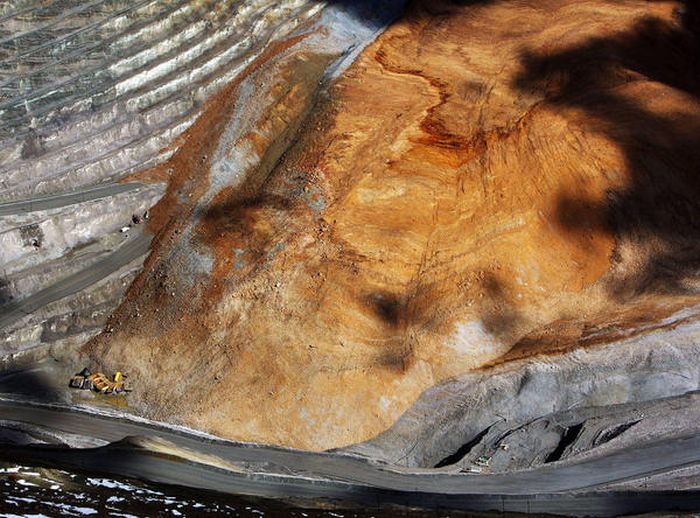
(399,254)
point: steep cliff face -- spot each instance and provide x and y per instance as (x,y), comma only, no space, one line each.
(487,181)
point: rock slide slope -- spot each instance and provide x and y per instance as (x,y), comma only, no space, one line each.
(488,182)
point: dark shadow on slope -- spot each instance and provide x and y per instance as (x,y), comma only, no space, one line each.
(659,210)
(498,314)
(567,439)
(463,450)
(379,13)
(388,307)
(375,13)
(30,383)
(614,432)
(395,311)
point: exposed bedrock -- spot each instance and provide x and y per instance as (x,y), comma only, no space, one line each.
(487,183)
(527,413)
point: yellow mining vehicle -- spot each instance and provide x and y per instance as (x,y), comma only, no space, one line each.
(100,382)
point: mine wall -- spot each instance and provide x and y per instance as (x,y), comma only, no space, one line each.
(407,244)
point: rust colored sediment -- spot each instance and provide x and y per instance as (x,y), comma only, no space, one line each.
(484,184)
(187,171)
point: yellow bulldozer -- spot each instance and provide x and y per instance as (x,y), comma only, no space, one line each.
(99,382)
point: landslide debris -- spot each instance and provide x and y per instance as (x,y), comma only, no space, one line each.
(488,181)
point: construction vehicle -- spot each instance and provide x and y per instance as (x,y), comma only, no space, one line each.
(81,380)
(99,382)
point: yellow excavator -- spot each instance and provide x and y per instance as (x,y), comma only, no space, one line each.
(99,382)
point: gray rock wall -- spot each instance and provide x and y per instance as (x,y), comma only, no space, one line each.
(659,364)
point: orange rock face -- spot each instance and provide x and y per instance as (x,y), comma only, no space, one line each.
(481,175)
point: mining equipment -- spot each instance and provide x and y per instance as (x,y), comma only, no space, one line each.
(99,382)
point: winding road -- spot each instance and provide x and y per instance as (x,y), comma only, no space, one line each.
(564,488)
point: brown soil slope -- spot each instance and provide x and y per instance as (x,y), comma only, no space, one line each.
(481,172)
